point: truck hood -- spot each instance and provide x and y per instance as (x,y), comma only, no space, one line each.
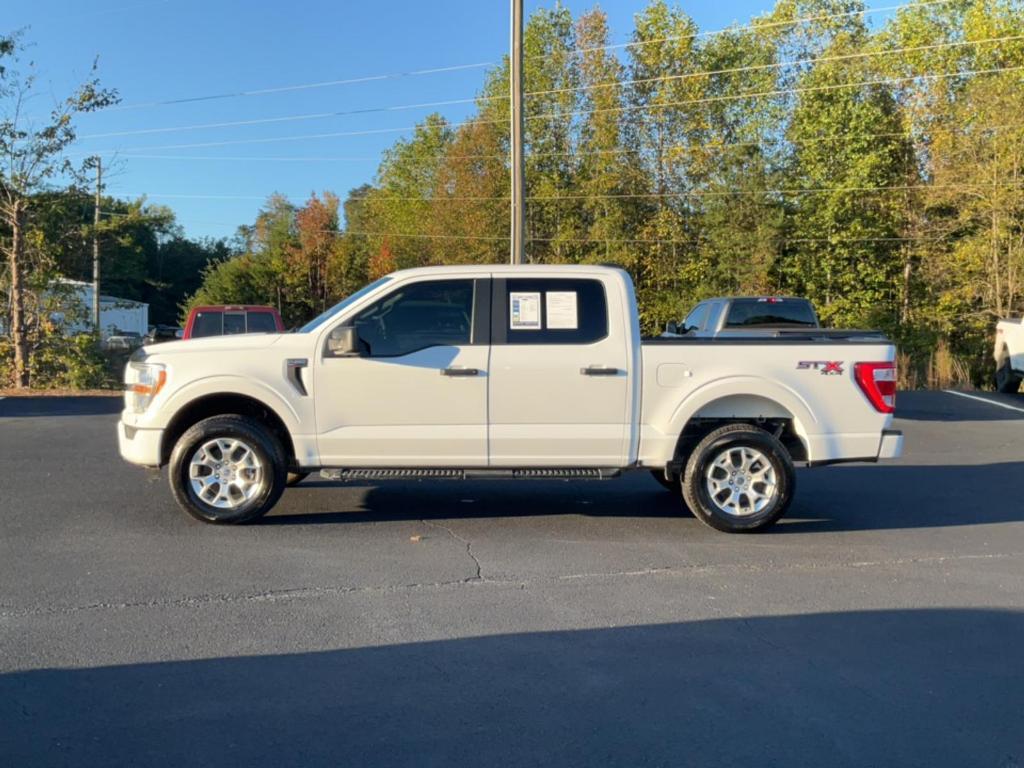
(234,343)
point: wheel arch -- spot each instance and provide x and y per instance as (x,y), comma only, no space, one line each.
(775,408)
(223,404)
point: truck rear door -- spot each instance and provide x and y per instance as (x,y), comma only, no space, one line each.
(559,383)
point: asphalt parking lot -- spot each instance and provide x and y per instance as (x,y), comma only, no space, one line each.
(514,623)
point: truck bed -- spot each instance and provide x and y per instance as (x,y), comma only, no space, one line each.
(805,378)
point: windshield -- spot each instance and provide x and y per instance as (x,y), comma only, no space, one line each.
(316,321)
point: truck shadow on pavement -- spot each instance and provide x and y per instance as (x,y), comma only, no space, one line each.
(846,498)
(902,687)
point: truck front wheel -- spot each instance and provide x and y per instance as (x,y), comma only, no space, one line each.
(739,479)
(227,470)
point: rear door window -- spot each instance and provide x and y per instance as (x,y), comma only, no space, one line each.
(555,311)
(208,324)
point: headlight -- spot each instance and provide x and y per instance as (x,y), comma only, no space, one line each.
(143,381)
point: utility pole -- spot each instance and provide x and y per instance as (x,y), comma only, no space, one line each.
(517,254)
(96,249)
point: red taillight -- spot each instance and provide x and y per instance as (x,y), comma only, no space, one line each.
(878,382)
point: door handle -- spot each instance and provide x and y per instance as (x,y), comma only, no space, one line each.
(599,370)
(460,371)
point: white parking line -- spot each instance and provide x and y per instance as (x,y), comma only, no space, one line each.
(984,400)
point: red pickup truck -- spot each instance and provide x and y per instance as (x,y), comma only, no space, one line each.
(229,320)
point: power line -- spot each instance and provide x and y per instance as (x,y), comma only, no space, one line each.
(688,148)
(282,119)
(389,199)
(476,99)
(305,86)
(478,121)
(610,196)
(688,102)
(777,64)
(264,158)
(574,240)
(778,92)
(299,137)
(790,191)
(275,139)
(754,26)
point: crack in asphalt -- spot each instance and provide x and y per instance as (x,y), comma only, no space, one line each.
(466,542)
(477,580)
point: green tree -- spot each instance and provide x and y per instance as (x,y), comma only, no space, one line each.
(31,160)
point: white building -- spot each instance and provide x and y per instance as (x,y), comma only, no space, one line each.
(116,315)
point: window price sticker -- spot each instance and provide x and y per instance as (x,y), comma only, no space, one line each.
(561,310)
(525,311)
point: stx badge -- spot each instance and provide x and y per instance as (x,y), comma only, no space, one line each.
(826,367)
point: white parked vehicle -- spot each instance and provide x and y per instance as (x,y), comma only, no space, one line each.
(1009,355)
(505,372)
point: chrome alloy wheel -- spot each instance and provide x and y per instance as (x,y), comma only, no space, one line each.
(741,481)
(225,473)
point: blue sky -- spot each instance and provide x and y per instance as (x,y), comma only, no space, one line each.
(174,49)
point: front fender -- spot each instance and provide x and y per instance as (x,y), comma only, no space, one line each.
(222,384)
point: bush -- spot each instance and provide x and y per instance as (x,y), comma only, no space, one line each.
(57,361)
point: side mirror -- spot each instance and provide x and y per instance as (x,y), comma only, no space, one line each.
(179,334)
(672,327)
(342,341)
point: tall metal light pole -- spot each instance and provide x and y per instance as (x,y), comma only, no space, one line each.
(517,253)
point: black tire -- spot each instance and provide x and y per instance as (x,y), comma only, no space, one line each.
(259,440)
(667,483)
(698,495)
(294,478)
(1007,380)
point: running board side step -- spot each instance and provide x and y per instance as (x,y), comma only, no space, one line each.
(432,473)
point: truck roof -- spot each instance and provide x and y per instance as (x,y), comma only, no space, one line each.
(233,308)
(757,298)
(509,269)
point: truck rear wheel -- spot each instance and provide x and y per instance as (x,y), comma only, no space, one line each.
(739,479)
(1007,380)
(227,470)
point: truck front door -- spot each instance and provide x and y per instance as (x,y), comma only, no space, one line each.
(415,395)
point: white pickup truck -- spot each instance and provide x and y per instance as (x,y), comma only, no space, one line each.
(1009,355)
(505,372)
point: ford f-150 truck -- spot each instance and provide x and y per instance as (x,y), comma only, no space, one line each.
(505,372)
(1009,355)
